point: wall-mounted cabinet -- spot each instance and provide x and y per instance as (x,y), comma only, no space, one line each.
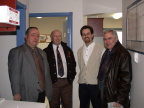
(97,24)
(7,27)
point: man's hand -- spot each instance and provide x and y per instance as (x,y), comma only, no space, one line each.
(17,97)
(116,104)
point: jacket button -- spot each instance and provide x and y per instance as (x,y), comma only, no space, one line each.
(39,90)
(38,82)
(54,73)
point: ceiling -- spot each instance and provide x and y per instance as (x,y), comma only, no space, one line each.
(110,15)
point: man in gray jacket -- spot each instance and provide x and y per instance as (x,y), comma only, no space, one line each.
(29,70)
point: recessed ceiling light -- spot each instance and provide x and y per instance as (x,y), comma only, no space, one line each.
(39,17)
(117,15)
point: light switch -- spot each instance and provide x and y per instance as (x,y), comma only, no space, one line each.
(136,57)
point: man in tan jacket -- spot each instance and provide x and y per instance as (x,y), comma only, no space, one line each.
(89,56)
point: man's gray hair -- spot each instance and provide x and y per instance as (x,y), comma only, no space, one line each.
(112,31)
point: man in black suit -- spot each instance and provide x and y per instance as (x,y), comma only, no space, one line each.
(62,70)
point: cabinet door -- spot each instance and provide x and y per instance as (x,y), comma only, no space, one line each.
(97,24)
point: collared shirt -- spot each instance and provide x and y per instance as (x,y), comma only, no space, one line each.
(63,60)
(87,50)
(39,56)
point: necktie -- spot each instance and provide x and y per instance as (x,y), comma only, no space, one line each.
(107,57)
(60,64)
(40,74)
(104,64)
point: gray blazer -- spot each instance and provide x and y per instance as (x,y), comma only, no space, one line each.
(23,74)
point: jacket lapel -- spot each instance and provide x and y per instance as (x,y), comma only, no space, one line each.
(110,63)
(103,60)
(30,58)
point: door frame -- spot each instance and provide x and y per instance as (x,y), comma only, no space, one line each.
(21,29)
(69,24)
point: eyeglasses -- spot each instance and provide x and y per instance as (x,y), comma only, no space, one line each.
(57,36)
(86,34)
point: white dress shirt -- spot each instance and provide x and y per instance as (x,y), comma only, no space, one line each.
(63,60)
(87,50)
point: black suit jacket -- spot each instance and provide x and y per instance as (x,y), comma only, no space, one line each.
(71,63)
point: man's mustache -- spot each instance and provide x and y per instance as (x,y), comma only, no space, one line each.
(86,37)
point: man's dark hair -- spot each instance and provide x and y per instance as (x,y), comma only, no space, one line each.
(27,31)
(87,27)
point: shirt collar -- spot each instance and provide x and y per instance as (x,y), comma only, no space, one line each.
(113,49)
(55,46)
(91,45)
(30,47)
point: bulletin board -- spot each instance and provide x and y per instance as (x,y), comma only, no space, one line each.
(44,38)
(135,27)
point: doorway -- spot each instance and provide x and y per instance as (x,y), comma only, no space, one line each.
(21,29)
(63,19)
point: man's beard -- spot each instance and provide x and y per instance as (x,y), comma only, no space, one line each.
(87,40)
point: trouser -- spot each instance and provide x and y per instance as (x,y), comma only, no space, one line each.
(88,93)
(41,97)
(62,94)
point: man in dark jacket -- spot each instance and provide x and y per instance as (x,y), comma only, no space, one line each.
(115,72)
(62,70)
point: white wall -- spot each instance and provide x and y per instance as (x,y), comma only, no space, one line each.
(101,6)
(6,43)
(137,95)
